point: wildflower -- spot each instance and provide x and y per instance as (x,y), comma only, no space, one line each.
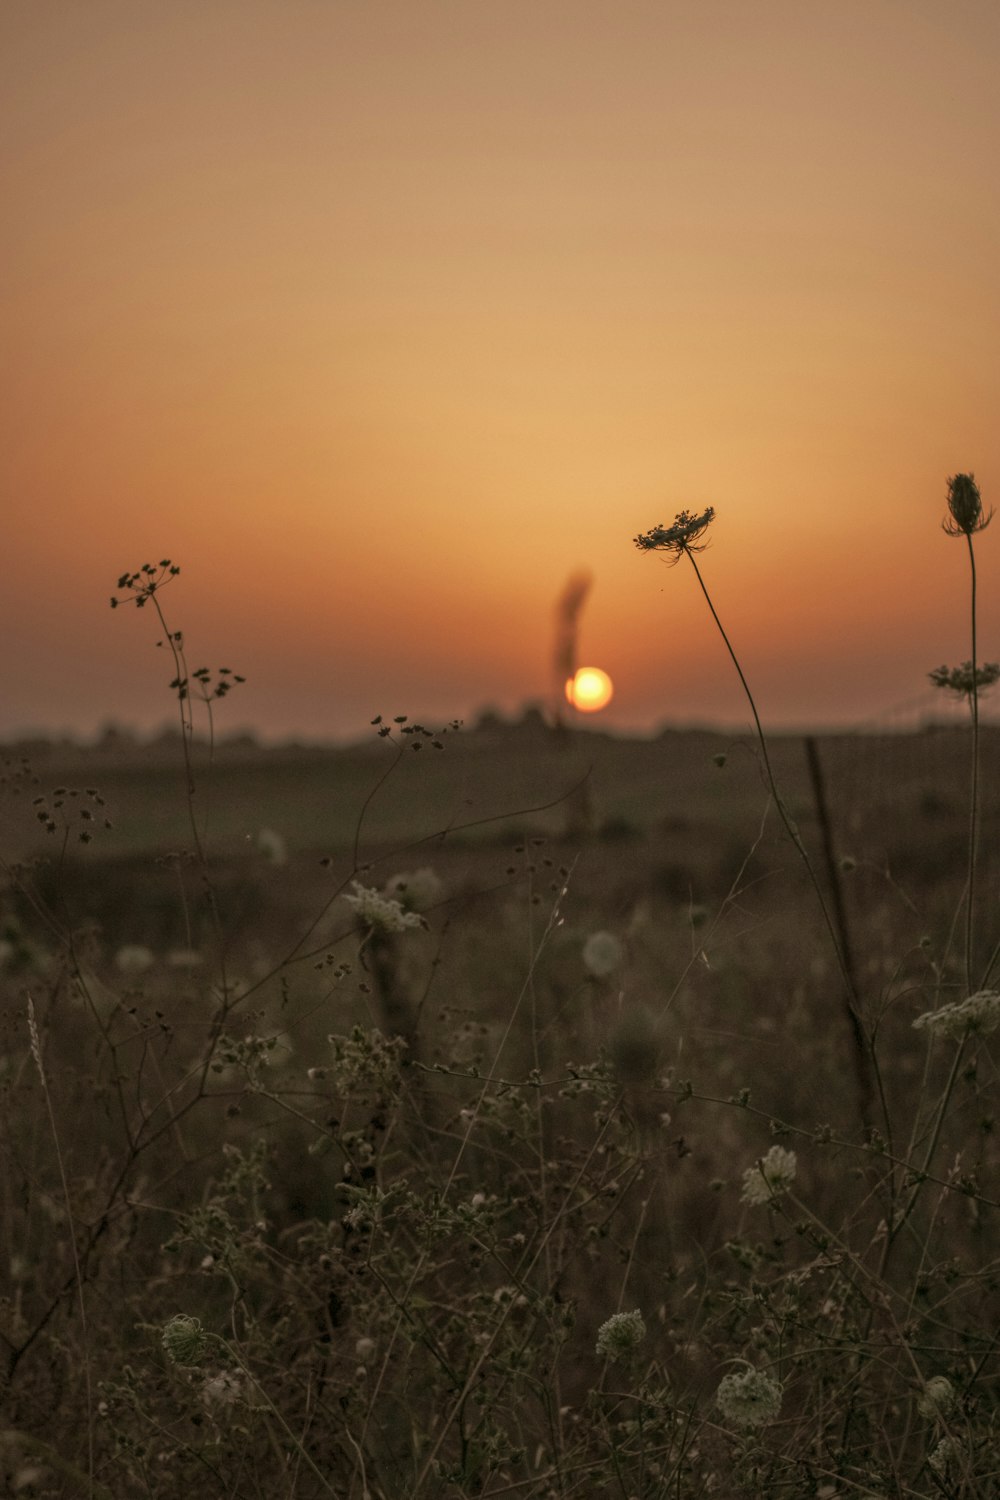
(222,1390)
(602,953)
(621,1335)
(965,680)
(272,846)
(749,1399)
(378,912)
(185,958)
(965,507)
(133,959)
(937,1397)
(769,1177)
(418,890)
(978,1013)
(185,1340)
(946,1458)
(683,536)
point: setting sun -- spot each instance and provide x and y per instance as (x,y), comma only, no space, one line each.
(589,690)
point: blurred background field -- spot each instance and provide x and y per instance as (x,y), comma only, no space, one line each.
(669,820)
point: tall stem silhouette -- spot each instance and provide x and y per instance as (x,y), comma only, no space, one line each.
(860,1046)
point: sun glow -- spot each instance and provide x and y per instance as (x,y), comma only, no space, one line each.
(589,690)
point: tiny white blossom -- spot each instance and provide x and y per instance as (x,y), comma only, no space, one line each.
(225,1389)
(133,958)
(379,912)
(749,1399)
(769,1177)
(602,954)
(185,958)
(937,1397)
(978,1013)
(272,846)
(946,1458)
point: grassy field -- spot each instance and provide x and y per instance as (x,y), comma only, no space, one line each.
(469,1193)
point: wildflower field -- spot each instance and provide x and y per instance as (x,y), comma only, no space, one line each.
(511,1111)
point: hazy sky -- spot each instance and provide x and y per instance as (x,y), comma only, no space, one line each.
(382,319)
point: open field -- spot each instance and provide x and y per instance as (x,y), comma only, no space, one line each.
(309,1198)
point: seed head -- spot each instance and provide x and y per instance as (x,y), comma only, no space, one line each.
(965,507)
(184,1340)
(683,536)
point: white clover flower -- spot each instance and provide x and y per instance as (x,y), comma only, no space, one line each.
(133,958)
(272,846)
(379,912)
(621,1335)
(749,1399)
(415,890)
(937,1397)
(767,1178)
(185,958)
(222,1390)
(946,1458)
(978,1013)
(602,954)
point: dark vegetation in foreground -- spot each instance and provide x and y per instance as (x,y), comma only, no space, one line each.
(303,1201)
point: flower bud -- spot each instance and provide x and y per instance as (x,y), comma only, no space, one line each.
(965,506)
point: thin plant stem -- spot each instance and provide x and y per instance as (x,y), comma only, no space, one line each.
(853,1006)
(36,1052)
(970,898)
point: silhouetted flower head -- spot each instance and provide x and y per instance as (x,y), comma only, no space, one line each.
(683,536)
(962,680)
(965,507)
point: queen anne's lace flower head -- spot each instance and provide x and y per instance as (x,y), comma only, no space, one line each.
(185,1341)
(749,1399)
(621,1335)
(683,536)
(381,913)
(602,953)
(978,1013)
(773,1174)
(937,1397)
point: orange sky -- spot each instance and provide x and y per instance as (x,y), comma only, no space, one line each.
(381,319)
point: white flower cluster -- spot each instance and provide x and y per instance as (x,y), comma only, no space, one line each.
(773,1174)
(272,846)
(133,958)
(602,954)
(379,912)
(749,1399)
(979,1012)
(937,1397)
(621,1335)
